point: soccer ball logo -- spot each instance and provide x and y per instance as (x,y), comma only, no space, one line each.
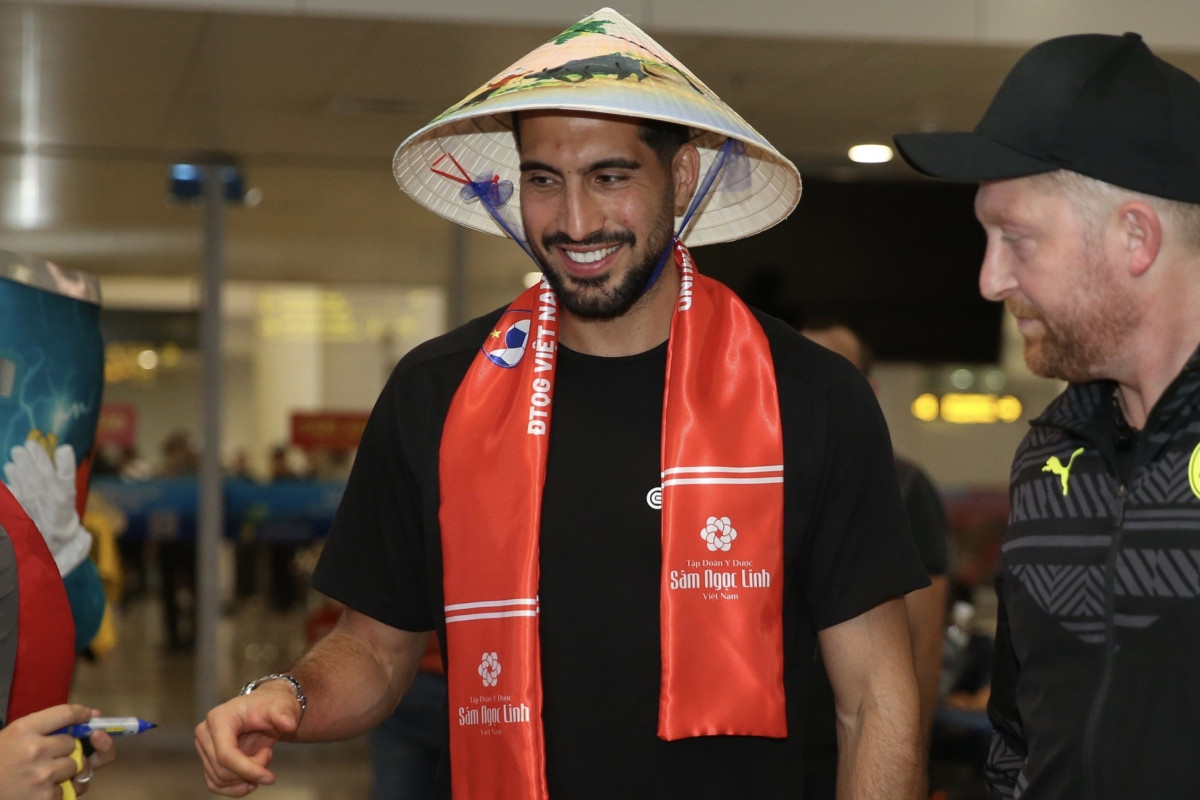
(718,533)
(512,345)
(489,669)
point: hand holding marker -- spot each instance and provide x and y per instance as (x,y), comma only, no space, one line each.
(113,726)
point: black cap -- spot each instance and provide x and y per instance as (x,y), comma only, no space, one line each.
(1100,105)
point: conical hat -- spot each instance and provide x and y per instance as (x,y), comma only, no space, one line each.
(602,64)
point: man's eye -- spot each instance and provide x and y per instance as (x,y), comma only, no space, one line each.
(1022,246)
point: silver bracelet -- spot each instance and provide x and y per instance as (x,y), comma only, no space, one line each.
(280,676)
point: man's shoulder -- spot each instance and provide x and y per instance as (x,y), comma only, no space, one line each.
(450,348)
(798,358)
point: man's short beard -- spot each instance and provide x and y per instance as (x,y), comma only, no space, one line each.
(1076,346)
(584,297)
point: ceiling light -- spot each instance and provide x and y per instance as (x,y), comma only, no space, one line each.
(870,153)
(926,407)
(28,204)
(147,359)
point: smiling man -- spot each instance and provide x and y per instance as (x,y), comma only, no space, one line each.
(599,206)
(630,505)
(1089,163)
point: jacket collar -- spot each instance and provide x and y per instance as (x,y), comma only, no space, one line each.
(1080,403)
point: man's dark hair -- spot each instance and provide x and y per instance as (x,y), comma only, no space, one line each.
(664,138)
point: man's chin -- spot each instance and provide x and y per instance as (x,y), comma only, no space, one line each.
(1046,365)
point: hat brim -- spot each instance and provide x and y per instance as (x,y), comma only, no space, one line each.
(483,145)
(967,157)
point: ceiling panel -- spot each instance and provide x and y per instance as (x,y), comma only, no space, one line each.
(108,79)
(95,103)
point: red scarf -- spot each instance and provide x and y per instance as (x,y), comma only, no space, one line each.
(721,601)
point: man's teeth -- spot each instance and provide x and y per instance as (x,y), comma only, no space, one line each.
(590,257)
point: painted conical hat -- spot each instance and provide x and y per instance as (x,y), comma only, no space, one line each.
(602,64)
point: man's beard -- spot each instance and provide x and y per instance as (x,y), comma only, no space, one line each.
(1076,345)
(586,297)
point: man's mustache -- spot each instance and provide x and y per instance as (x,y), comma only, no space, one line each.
(597,239)
(1023,310)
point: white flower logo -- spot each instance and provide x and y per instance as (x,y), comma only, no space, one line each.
(489,670)
(718,533)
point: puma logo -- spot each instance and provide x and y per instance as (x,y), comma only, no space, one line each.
(1056,466)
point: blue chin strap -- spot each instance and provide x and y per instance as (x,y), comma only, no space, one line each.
(494,194)
(731,146)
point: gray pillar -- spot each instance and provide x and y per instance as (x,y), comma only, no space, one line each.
(211,512)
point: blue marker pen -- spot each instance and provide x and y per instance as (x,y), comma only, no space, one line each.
(113,726)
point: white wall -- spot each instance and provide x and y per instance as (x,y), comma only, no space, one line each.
(328,361)
(955,456)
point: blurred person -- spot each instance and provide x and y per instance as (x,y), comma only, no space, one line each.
(330,463)
(925,608)
(131,552)
(240,466)
(284,587)
(407,747)
(281,465)
(133,466)
(179,454)
(176,555)
(1088,160)
(627,591)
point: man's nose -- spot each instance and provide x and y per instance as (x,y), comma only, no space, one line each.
(579,214)
(996,279)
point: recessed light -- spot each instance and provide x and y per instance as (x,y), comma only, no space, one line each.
(870,153)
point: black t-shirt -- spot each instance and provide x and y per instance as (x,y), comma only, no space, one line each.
(846,549)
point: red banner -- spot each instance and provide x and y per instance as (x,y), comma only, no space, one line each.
(332,430)
(117,425)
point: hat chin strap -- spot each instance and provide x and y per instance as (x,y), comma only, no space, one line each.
(706,185)
(484,191)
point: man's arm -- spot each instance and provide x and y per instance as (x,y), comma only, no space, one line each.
(353,678)
(871,670)
(926,610)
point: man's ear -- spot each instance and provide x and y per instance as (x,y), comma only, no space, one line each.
(1140,235)
(685,171)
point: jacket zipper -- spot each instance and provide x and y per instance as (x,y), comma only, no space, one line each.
(1110,650)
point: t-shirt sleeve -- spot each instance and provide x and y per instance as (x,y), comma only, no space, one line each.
(858,550)
(926,516)
(374,557)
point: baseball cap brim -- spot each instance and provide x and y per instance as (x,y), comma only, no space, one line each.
(966,156)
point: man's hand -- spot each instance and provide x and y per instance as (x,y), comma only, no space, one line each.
(45,488)
(237,739)
(34,761)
